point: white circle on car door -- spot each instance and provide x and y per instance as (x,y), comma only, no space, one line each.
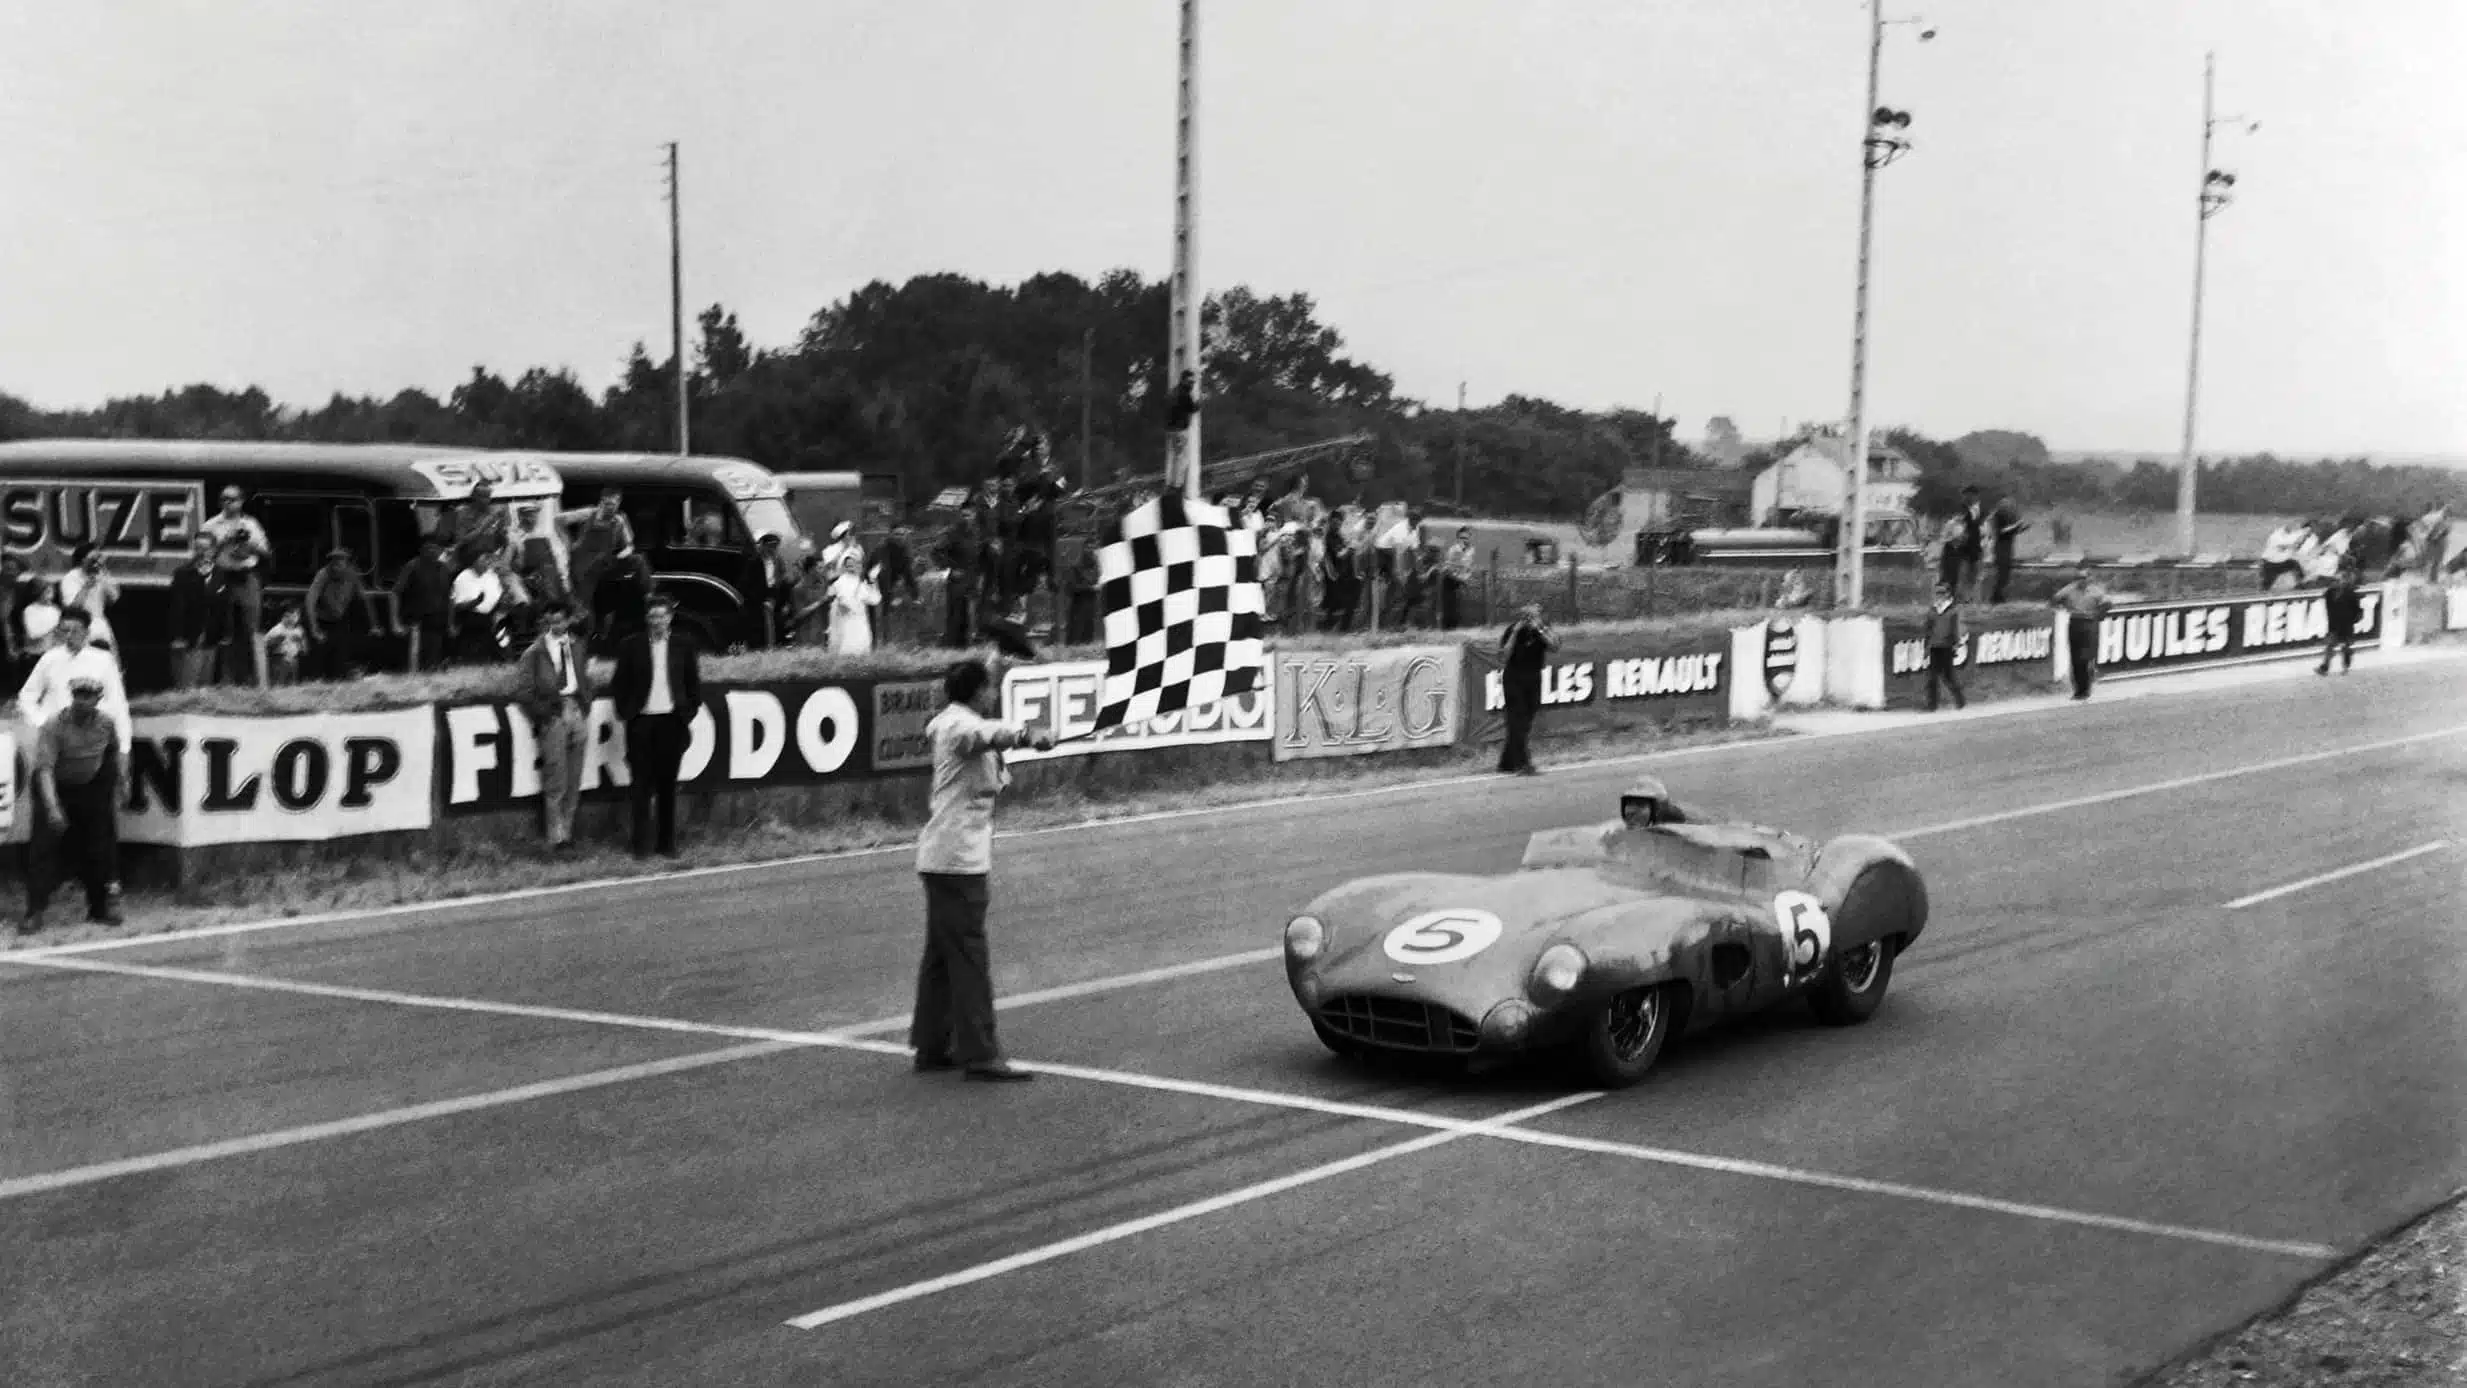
(1443,937)
(1807,932)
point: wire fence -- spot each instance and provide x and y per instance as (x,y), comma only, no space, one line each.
(1571,593)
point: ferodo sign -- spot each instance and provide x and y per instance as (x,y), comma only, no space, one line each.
(148,521)
(1062,699)
(1601,683)
(745,736)
(1338,705)
(209,778)
(2176,635)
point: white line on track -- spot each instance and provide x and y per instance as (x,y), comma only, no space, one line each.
(2293,887)
(1923,1194)
(841,1040)
(2179,783)
(16,1187)
(848,1310)
(1090,987)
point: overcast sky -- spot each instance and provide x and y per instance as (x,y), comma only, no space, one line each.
(1595,201)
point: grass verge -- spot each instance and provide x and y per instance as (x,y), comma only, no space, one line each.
(2394,1317)
(365,884)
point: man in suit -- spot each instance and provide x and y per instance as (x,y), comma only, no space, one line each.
(554,689)
(658,690)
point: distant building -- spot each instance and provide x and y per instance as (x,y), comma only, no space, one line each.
(1815,476)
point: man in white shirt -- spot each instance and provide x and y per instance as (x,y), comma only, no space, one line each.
(2278,554)
(241,552)
(70,658)
(953,1026)
(554,690)
(657,689)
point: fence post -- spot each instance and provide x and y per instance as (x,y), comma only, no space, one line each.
(1576,611)
(1649,568)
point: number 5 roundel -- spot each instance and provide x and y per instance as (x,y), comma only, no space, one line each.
(1443,937)
(1807,932)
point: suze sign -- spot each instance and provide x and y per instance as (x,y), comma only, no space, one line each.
(138,518)
(2172,635)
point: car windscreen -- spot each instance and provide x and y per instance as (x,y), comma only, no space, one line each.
(770,516)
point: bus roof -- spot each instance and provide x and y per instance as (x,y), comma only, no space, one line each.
(742,480)
(423,472)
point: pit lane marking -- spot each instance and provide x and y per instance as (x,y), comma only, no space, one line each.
(1266,1098)
(1112,1233)
(2319,879)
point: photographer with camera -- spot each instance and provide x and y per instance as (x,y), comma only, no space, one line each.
(1522,649)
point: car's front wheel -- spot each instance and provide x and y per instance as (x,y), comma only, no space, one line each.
(1621,1041)
(1852,987)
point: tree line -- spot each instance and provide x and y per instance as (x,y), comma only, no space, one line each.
(925,379)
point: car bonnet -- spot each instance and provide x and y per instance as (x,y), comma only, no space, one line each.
(1468,938)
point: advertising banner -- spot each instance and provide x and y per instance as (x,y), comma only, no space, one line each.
(2218,631)
(1342,704)
(1603,683)
(1062,699)
(745,736)
(217,778)
(2454,615)
(902,708)
(2026,646)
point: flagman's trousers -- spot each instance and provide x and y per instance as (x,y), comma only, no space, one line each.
(954,1016)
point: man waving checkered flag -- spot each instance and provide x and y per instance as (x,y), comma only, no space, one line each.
(1179,587)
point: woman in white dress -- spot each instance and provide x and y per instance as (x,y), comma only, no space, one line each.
(852,593)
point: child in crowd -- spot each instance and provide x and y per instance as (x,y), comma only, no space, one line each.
(286,644)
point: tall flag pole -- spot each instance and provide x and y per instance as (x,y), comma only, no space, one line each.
(1182,422)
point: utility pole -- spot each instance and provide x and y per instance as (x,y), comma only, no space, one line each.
(1460,443)
(1087,394)
(1879,146)
(2215,193)
(1182,448)
(1662,431)
(676,301)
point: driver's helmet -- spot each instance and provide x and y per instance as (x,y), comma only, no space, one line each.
(1646,803)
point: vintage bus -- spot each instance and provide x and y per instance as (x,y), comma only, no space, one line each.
(698,520)
(142,502)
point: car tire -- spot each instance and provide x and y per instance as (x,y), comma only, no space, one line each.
(1612,1051)
(1852,986)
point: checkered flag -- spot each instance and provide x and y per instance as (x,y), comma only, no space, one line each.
(1179,583)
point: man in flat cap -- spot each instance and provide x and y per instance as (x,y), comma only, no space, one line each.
(80,777)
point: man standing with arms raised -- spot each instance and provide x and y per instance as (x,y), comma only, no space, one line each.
(953,1027)
(658,690)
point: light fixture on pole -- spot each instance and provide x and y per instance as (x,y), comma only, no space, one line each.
(1883,142)
(2217,190)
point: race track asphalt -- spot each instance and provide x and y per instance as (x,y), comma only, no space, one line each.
(2100,1118)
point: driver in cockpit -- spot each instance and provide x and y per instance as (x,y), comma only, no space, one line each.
(1648,803)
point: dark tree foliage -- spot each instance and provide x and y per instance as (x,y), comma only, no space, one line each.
(925,378)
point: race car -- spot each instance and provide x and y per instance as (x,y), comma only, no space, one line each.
(1608,940)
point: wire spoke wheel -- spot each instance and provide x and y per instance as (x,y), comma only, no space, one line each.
(1860,966)
(1634,1019)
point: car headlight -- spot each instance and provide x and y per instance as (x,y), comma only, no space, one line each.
(1304,938)
(1558,971)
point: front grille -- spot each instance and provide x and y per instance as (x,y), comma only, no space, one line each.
(1395,1022)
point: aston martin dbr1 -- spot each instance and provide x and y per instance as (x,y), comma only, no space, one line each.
(1607,941)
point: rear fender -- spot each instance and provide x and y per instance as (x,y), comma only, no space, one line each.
(1890,900)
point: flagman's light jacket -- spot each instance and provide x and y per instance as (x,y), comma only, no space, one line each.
(968,775)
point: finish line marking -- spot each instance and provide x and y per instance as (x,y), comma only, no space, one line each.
(849,1310)
(2291,888)
(15,1187)
(843,1040)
